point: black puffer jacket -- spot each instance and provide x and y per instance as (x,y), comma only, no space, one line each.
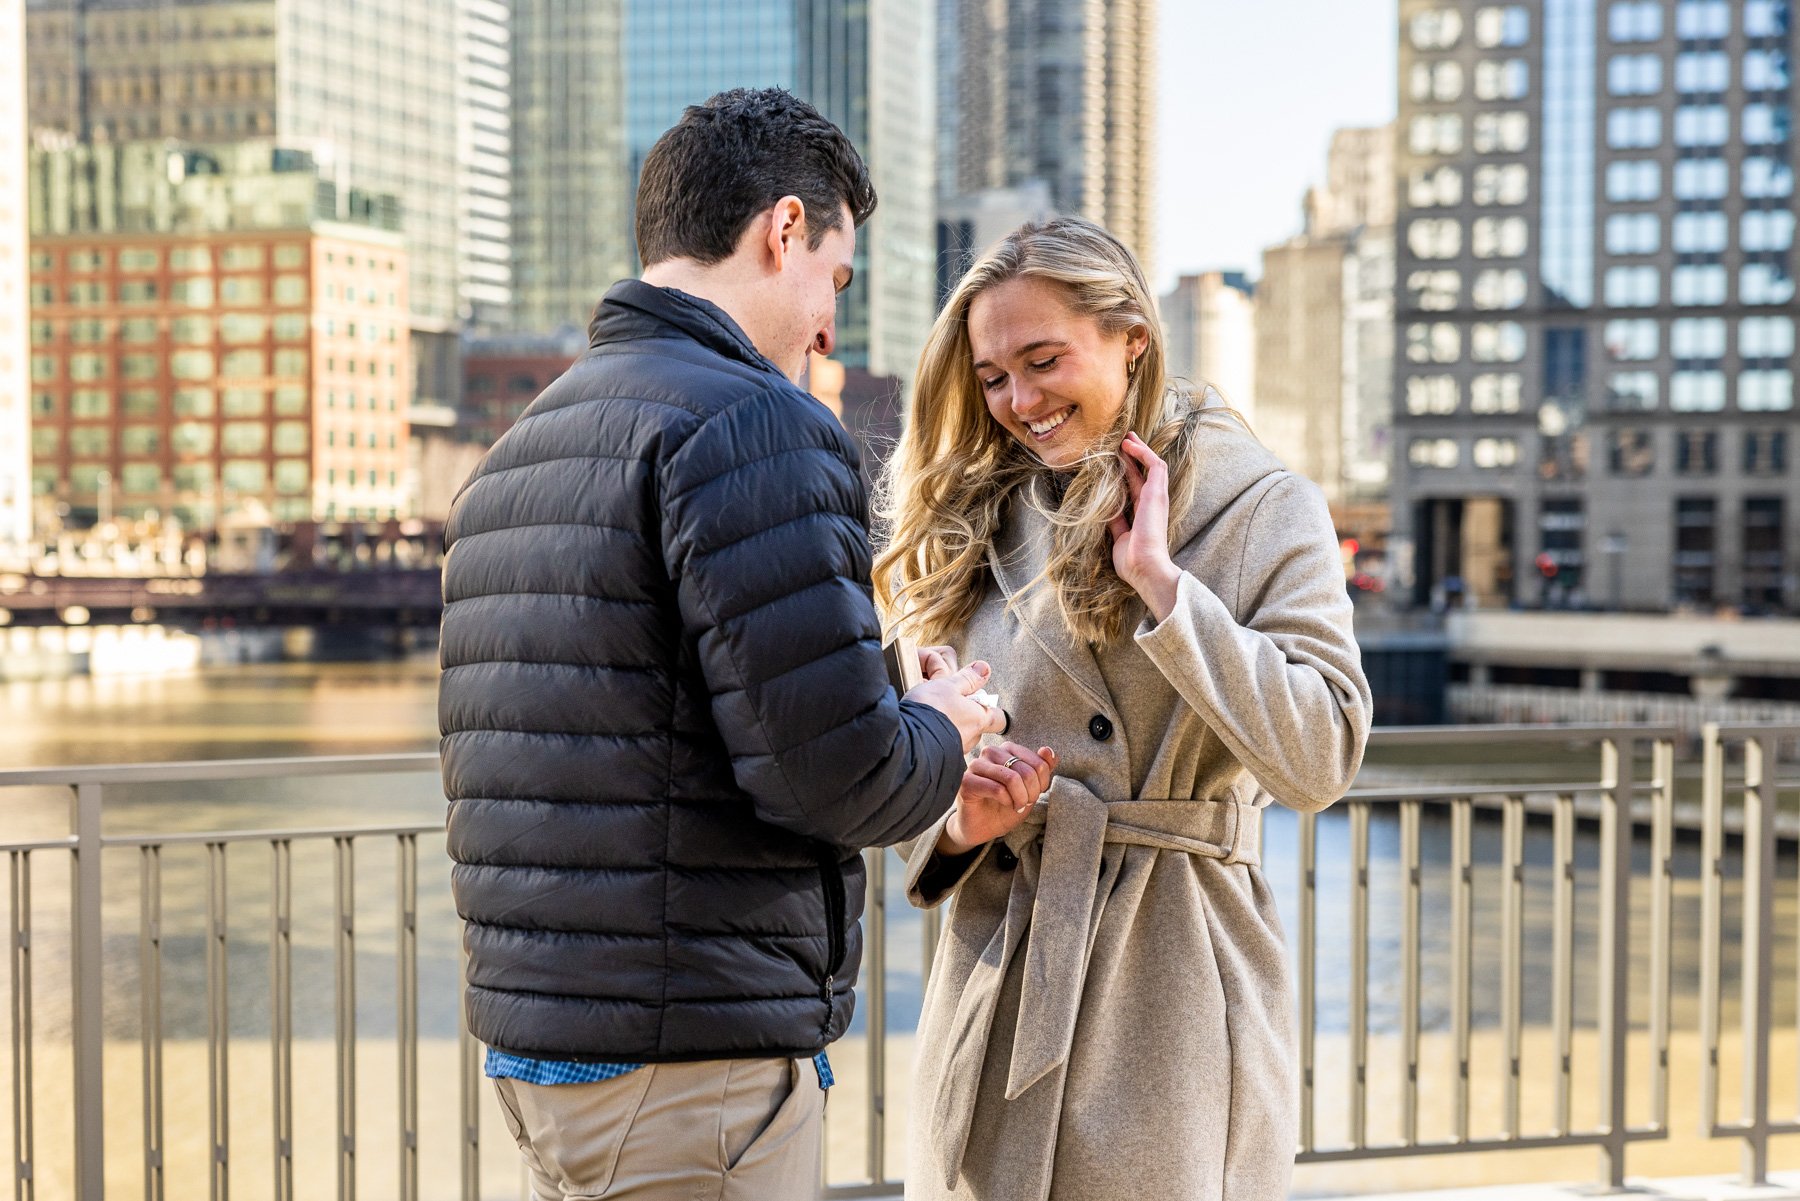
(667,731)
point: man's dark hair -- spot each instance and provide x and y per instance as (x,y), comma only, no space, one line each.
(730,159)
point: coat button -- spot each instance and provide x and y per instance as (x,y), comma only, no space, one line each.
(1100,727)
(1004,859)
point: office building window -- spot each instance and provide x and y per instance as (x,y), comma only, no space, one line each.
(1702,125)
(1436,342)
(1494,452)
(1437,83)
(1702,179)
(1502,25)
(1696,452)
(1765,283)
(1635,21)
(1435,134)
(1766,337)
(1433,452)
(1632,287)
(1766,71)
(1434,291)
(1634,75)
(1632,180)
(1498,237)
(1634,128)
(1633,233)
(1559,537)
(1767,124)
(90,403)
(1695,538)
(1693,339)
(1766,390)
(1431,395)
(1767,178)
(1507,80)
(1434,187)
(1701,233)
(1496,342)
(1502,133)
(1632,340)
(1501,183)
(1502,288)
(1434,238)
(1631,453)
(1764,560)
(1704,72)
(1495,392)
(1631,391)
(1702,20)
(1436,29)
(1697,391)
(1768,230)
(1697,285)
(140,440)
(1765,452)
(1766,18)
(193,402)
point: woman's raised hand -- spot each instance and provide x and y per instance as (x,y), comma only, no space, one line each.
(999,788)
(1141,539)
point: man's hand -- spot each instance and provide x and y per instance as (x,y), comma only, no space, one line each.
(998,790)
(949,693)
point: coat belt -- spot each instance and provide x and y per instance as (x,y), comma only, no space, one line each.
(1055,917)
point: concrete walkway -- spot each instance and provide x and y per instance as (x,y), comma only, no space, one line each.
(1785,1187)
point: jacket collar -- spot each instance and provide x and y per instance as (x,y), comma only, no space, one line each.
(632,309)
(1231,462)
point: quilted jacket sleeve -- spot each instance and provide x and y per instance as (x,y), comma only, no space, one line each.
(765,533)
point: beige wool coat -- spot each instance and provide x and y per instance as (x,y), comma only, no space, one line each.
(1110,1014)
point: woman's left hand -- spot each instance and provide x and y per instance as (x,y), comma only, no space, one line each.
(1141,540)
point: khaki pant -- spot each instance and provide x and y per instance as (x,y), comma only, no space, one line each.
(721,1130)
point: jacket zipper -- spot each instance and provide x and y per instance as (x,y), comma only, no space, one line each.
(832,879)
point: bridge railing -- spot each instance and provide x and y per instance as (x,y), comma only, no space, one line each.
(1400,975)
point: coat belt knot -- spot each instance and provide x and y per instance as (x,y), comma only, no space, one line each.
(1053,913)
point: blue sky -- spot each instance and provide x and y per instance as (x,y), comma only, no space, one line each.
(1250,91)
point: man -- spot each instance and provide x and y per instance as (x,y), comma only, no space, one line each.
(667,728)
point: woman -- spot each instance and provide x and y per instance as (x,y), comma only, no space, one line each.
(1110,1012)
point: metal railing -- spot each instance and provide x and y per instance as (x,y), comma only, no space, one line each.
(1747,760)
(1432,897)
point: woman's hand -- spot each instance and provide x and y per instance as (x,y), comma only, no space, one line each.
(998,790)
(1141,539)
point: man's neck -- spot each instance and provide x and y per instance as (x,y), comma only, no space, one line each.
(710,284)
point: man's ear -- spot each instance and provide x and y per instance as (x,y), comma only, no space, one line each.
(786,225)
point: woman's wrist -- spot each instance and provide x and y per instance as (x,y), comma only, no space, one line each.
(949,844)
(1159,587)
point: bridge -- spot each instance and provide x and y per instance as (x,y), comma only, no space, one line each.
(393,597)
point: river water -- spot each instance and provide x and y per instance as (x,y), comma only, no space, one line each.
(256,711)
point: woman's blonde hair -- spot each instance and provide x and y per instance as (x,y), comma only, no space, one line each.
(944,491)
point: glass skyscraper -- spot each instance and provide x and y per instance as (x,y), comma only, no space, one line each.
(1594,369)
(867,65)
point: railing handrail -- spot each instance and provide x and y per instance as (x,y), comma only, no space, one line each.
(191,771)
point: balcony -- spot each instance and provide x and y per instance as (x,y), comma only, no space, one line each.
(1573,968)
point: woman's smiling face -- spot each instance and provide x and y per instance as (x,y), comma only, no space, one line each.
(1051,377)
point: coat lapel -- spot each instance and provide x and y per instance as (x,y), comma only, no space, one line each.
(1018,558)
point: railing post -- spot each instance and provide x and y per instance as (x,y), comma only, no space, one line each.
(1759,952)
(90,999)
(1617,770)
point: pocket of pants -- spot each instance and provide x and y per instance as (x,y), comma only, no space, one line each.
(575,1132)
(749,1130)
